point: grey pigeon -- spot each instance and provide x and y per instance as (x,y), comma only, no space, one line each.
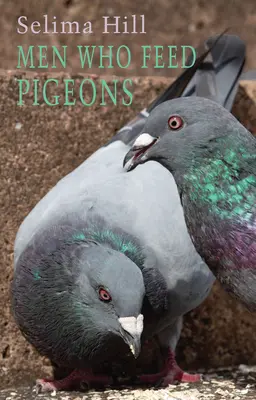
(213,160)
(100,220)
(104,262)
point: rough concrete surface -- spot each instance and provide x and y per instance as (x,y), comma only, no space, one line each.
(39,145)
(226,384)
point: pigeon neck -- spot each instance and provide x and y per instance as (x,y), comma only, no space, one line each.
(218,198)
(221,185)
(116,240)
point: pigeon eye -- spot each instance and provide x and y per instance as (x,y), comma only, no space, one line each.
(104,295)
(175,122)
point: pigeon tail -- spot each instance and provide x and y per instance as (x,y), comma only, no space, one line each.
(214,75)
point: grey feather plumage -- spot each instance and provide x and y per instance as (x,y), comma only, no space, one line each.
(132,205)
(144,208)
(135,223)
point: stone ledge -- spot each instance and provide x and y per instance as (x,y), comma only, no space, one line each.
(39,145)
(222,384)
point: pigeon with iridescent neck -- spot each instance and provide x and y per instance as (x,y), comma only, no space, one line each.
(212,158)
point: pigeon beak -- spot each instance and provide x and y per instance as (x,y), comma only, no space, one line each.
(132,329)
(137,154)
(135,346)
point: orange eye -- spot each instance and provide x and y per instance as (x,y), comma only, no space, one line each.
(175,122)
(104,295)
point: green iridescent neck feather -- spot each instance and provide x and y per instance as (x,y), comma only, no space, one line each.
(225,183)
(118,241)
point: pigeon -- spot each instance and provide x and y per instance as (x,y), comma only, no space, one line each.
(212,158)
(104,263)
(79,292)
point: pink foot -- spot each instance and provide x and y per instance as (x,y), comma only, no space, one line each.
(77,379)
(170,374)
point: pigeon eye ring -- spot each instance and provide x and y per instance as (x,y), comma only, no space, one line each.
(175,122)
(104,295)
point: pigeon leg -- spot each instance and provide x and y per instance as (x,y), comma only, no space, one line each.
(76,380)
(171,373)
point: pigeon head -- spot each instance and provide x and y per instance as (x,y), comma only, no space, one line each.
(114,291)
(83,301)
(180,132)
